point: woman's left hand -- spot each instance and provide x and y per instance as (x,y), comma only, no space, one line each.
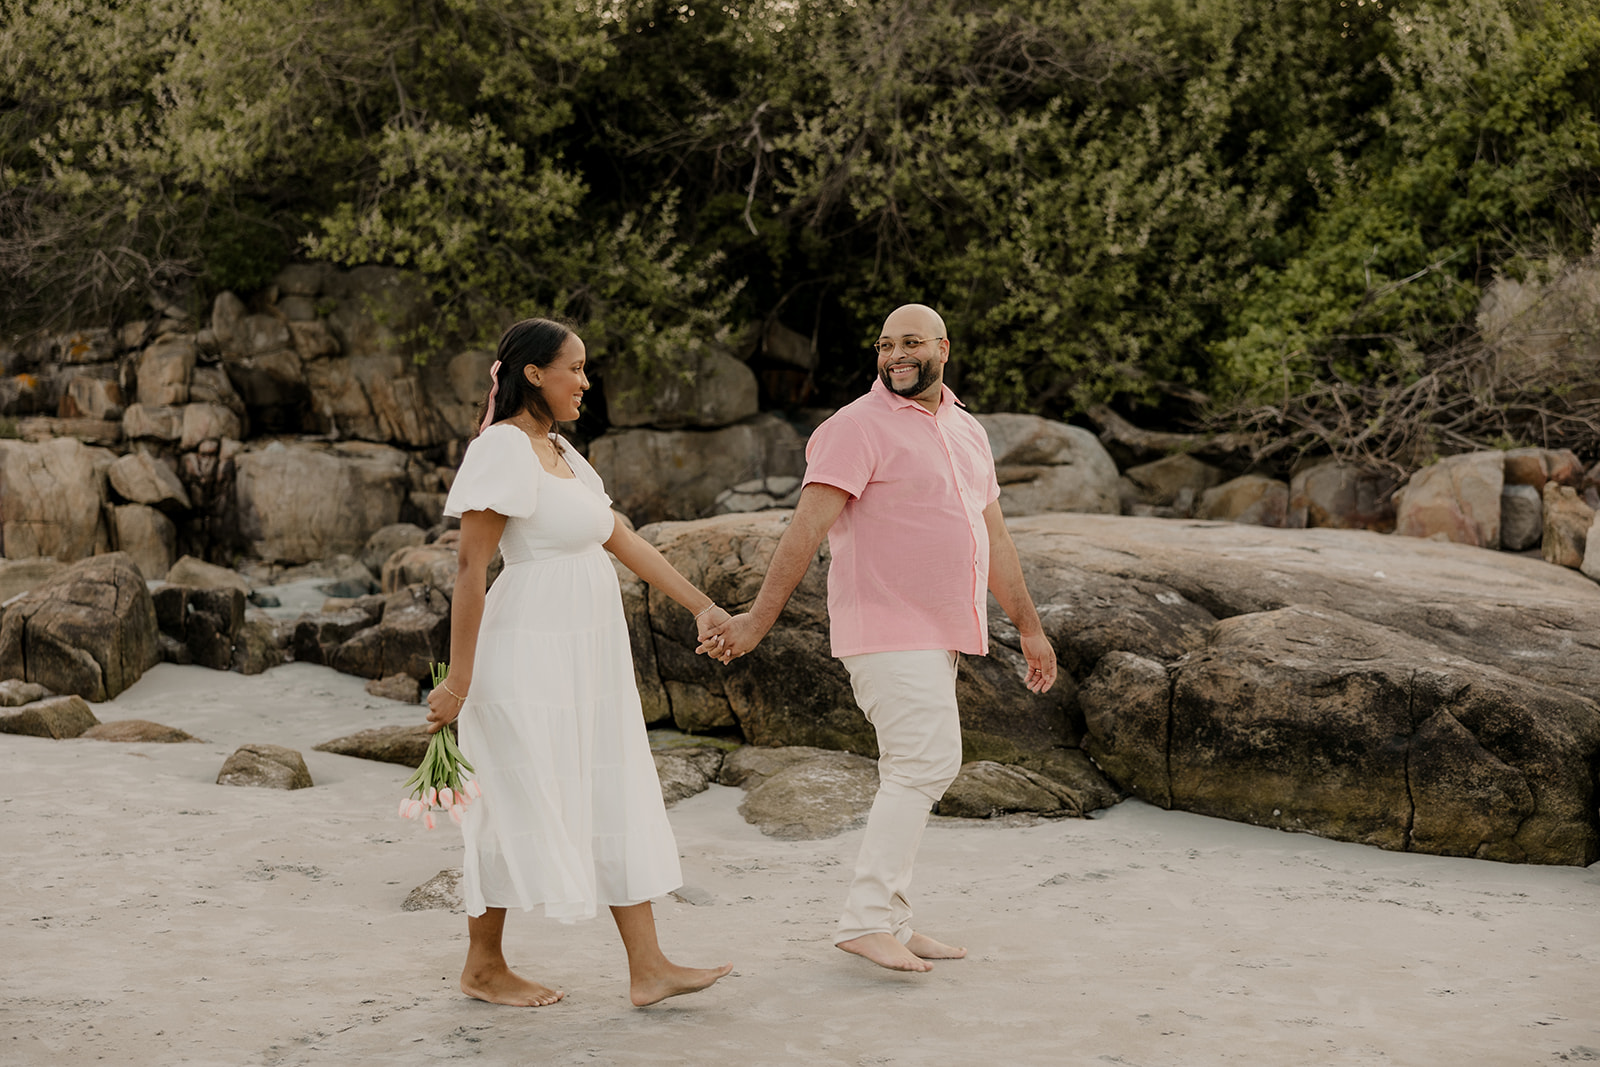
(706,622)
(443,708)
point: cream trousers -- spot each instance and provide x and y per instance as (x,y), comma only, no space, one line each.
(910,700)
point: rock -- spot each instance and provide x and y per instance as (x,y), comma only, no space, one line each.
(1521,517)
(140,478)
(143,422)
(89,397)
(1457,497)
(686,771)
(286,496)
(338,576)
(207,422)
(387,541)
(90,630)
(259,645)
(1251,498)
(819,797)
(14,692)
(86,346)
(199,574)
(749,765)
(147,536)
(657,474)
(985,789)
(1081,785)
(1567,519)
(1000,719)
(50,497)
(318,637)
(1049,466)
(441,892)
(401,687)
(1314,720)
(433,565)
(1591,550)
(1163,480)
(17,576)
(302,279)
(164,370)
(413,633)
(1535,466)
(54,717)
(265,767)
(311,339)
(41,430)
(467,381)
(204,621)
(211,385)
(138,730)
(405,745)
(712,389)
(696,709)
(1342,497)
(376,310)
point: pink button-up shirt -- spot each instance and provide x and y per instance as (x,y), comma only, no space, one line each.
(910,550)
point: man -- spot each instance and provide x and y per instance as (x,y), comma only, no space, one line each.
(902,482)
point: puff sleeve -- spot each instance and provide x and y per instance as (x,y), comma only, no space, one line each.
(499,473)
(586,474)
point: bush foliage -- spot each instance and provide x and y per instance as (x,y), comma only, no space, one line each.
(1110,199)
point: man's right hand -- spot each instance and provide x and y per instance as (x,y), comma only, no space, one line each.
(739,635)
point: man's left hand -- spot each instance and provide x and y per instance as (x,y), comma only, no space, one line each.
(1041,657)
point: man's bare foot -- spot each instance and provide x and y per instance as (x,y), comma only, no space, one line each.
(885,951)
(927,948)
(673,981)
(505,986)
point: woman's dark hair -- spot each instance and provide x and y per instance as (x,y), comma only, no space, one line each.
(530,343)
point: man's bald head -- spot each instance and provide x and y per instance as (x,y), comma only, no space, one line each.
(913,320)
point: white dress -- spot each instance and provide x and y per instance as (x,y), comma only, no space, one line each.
(571,815)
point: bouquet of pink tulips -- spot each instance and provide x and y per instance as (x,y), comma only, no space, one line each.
(438,783)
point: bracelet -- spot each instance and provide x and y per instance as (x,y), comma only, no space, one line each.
(452,692)
(705,609)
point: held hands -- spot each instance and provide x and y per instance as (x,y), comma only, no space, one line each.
(707,623)
(733,638)
(1041,657)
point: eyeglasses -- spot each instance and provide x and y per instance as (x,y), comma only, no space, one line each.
(912,345)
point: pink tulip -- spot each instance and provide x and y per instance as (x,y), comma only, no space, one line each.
(444,797)
(405,802)
(414,809)
(456,812)
(432,797)
(427,820)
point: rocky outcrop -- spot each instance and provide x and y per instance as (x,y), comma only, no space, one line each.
(50,495)
(201,623)
(1043,465)
(656,474)
(90,630)
(300,501)
(265,767)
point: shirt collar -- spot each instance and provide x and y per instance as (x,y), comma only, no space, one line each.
(946,397)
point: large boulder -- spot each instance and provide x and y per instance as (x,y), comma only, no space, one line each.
(302,501)
(405,745)
(140,478)
(205,622)
(413,633)
(1457,498)
(1314,720)
(1050,466)
(265,767)
(148,537)
(1521,518)
(164,369)
(1166,480)
(90,630)
(50,499)
(1567,518)
(713,389)
(818,797)
(660,474)
(1251,498)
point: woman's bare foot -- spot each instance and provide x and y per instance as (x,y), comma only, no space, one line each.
(505,986)
(885,951)
(927,948)
(673,981)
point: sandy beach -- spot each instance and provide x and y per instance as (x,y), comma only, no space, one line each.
(153,917)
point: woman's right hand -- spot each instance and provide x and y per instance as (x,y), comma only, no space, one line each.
(443,707)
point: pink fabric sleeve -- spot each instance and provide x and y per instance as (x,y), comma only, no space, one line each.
(839,454)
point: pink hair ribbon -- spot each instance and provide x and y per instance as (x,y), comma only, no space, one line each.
(494,387)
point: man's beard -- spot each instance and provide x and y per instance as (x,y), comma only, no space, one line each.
(927,375)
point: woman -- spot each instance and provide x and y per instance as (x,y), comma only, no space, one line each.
(542,677)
